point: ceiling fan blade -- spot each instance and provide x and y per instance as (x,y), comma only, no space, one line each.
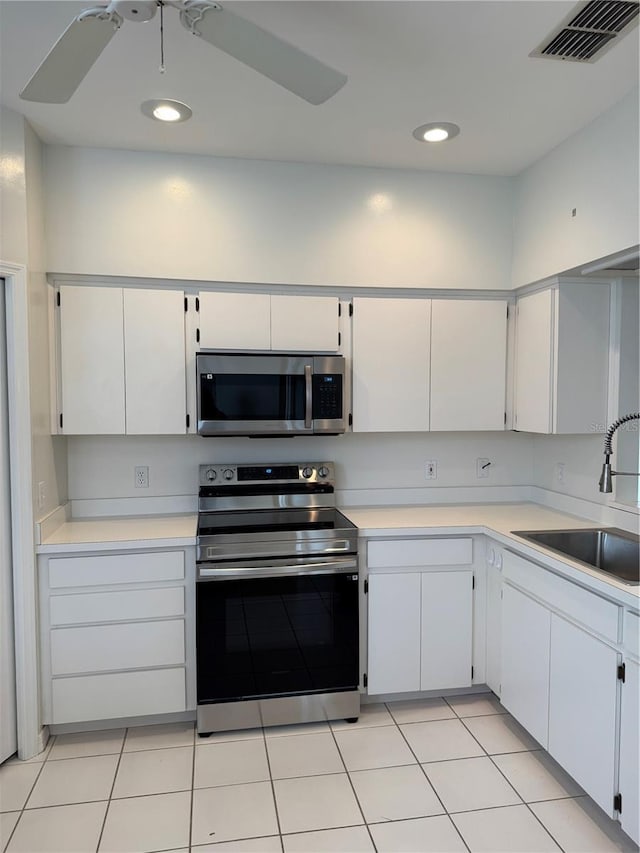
(261,50)
(71,57)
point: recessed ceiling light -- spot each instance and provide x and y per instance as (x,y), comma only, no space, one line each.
(166,110)
(436,131)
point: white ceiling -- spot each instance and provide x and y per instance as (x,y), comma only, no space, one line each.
(464,61)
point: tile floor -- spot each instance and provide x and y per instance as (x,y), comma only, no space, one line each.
(436,775)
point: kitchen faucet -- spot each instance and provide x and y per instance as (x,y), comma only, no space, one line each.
(606,478)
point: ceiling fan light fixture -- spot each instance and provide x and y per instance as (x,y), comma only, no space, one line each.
(166,110)
(436,131)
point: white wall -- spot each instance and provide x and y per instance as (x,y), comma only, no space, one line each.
(103,467)
(176,216)
(595,171)
(22,242)
(49,454)
(13,198)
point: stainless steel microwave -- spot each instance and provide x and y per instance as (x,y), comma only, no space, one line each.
(260,395)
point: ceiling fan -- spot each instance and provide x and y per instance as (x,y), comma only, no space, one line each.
(69,60)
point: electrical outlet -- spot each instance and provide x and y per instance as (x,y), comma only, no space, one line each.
(560,472)
(431,469)
(42,495)
(141,474)
(483,467)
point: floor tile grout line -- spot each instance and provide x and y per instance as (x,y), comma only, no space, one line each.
(497,766)
(24,804)
(273,787)
(193,783)
(546,829)
(113,785)
(402,735)
(355,793)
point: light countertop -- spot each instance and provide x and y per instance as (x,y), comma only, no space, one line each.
(108,534)
(495,520)
(500,518)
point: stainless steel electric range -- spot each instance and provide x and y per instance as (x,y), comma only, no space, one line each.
(276,598)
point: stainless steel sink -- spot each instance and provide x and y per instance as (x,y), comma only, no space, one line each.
(604,548)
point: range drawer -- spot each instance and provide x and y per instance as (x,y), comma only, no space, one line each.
(120,694)
(596,613)
(110,647)
(115,569)
(408,553)
(128,604)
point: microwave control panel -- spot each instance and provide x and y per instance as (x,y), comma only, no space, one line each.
(327,396)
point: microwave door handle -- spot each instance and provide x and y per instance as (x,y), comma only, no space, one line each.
(308,397)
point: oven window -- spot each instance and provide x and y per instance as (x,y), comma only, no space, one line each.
(251,397)
(276,637)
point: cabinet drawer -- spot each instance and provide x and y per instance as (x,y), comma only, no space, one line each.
(631,633)
(419,552)
(105,647)
(115,568)
(118,606)
(597,614)
(120,694)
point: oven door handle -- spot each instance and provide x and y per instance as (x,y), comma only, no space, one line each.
(331,567)
(308,397)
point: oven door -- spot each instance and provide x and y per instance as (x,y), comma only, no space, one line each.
(276,628)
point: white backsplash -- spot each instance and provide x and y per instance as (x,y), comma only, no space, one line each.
(103,467)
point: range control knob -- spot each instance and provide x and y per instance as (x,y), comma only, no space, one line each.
(307,472)
(323,471)
(211,474)
(227,474)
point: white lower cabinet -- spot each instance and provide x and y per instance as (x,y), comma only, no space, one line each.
(582,709)
(629,787)
(419,619)
(114,631)
(493,673)
(394,632)
(560,676)
(526,628)
(419,631)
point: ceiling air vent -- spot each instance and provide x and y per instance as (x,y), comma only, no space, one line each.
(589,30)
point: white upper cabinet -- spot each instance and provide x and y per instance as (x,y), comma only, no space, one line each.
(261,321)
(304,323)
(391,346)
(155,381)
(122,361)
(235,320)
(468,364)
(534,343)
(562,359)
(92,397)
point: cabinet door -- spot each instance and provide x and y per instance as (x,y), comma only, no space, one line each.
(394,632)
(92,360)
(155,381)
(526,629)
(235,321)
(534,347)
(391,345)
(629,751)
(494,626)
(304,323)
(468,364)
(446,630)
(582,709)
